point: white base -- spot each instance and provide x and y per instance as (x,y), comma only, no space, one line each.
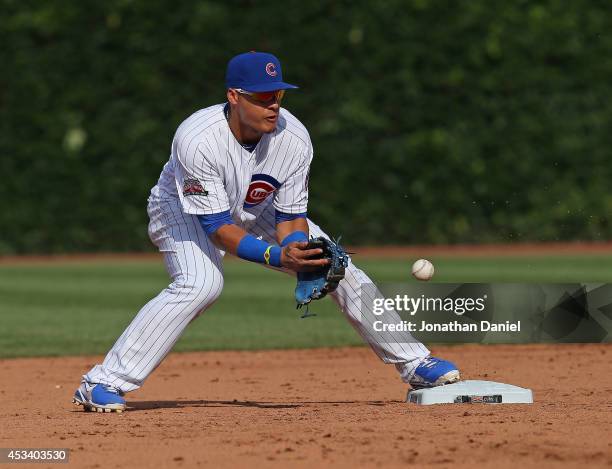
(471,391)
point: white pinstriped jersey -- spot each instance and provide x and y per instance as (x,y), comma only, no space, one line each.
(211,172)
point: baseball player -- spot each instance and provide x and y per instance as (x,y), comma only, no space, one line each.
(237,182)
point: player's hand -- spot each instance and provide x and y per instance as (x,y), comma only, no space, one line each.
(296,257)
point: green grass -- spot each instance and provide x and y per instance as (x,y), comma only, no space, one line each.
(73,308)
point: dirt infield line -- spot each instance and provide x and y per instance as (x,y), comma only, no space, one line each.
(338,408)
(459,250)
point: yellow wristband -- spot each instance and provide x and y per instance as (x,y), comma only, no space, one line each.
(267,255)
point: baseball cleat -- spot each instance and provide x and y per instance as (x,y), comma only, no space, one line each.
(434,372)
(97,397)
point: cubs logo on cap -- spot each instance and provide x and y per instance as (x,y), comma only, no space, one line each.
(271,69)
(256,72)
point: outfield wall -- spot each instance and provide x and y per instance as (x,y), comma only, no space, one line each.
(432,122)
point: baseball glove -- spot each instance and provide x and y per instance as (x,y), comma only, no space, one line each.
(315,285)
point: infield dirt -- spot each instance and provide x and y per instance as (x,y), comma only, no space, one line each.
(319,408)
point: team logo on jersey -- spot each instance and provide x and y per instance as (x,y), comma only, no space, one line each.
(260,188)
(271,69)
(193,187)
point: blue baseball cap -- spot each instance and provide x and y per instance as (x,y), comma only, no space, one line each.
(255,71)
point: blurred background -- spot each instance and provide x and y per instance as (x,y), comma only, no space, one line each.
(432,121)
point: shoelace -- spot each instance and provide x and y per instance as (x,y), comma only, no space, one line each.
(429,362)
(112,389)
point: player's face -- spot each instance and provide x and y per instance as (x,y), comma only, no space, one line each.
(258,111)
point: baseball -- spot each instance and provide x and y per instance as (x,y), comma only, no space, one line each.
(422,269)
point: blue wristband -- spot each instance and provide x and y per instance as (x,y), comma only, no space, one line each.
(275,256)
(252,249)
(295,236)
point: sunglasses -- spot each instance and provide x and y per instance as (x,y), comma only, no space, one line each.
(263,96)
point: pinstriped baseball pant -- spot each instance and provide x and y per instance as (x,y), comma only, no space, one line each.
(195,266)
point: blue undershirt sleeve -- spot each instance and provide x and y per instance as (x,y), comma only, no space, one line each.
(282,216)
(211,223)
